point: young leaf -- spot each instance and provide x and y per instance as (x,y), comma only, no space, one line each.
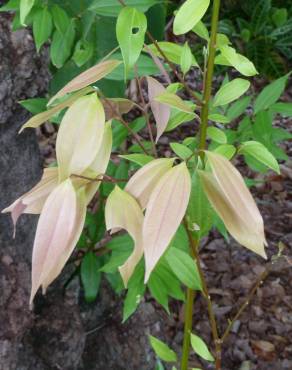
(25,7)
(200,347)
(142,184)
(186,58)
(188,15)
(162,350)
(181,150)
(161,112)
(164,212)
(216,135)
(123,211)
(80,136)
(40,118)
(42,27)
(231,199)
(260,153)
(88,77)
(270,94)
(173,101)
(90,276)
(130,30)
(231,91)
(184,267)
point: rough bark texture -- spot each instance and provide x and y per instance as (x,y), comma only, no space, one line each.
(58,333)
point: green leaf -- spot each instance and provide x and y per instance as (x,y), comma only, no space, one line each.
(111,8)
(216,135)
(226,150)
(171,50)
(184,267)
(83,52)
(140,159)
(238,108)
(186,58)
(231,91)
(162,350)
(238,61)
(199,211)
(181,150)
(201,30)
(270,94)
(12,5)
(90,276)
(174,101)
(60,19)
(280,16)
(218,118)
(188,15)
(25,7)
(260,153)
(130,31)
(285,109)
(62,45)
(159,291)
(35,105)
(200,348)
(177,118)
(42,27)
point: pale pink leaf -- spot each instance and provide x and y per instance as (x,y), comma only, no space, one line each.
(141,185)
(54,231)
(233,202)
(123,211)
(80,136)
(161,112)
(165,210)
(42,117)
(88,77)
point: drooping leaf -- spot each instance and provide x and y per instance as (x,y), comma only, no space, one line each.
(130,30)
(164,212)
(188,15)
(231,91)
(162,350)
(161,112)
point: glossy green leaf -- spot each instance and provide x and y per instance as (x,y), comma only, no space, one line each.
(42,27)
(130,31)
(188,15)
(260,153)
(181,150)
(270,94)
(171,50)
(25,7)
(162,350)
(140,159)
(231,91)
(174,101)
(216,135)
(61,46)
(184,267)
(200,348)
(90,276)
(186,58)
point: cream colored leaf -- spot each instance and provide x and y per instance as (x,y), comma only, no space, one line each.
(88,77)
(40,118)
(233,202)
(115,106)
(54,232)
(165,210)
(141,185)
(123,211)
(78,227)
(161,112)
(32,202)
(80,136)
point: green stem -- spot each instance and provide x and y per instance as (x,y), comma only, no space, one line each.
(209,76)
(187,328)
